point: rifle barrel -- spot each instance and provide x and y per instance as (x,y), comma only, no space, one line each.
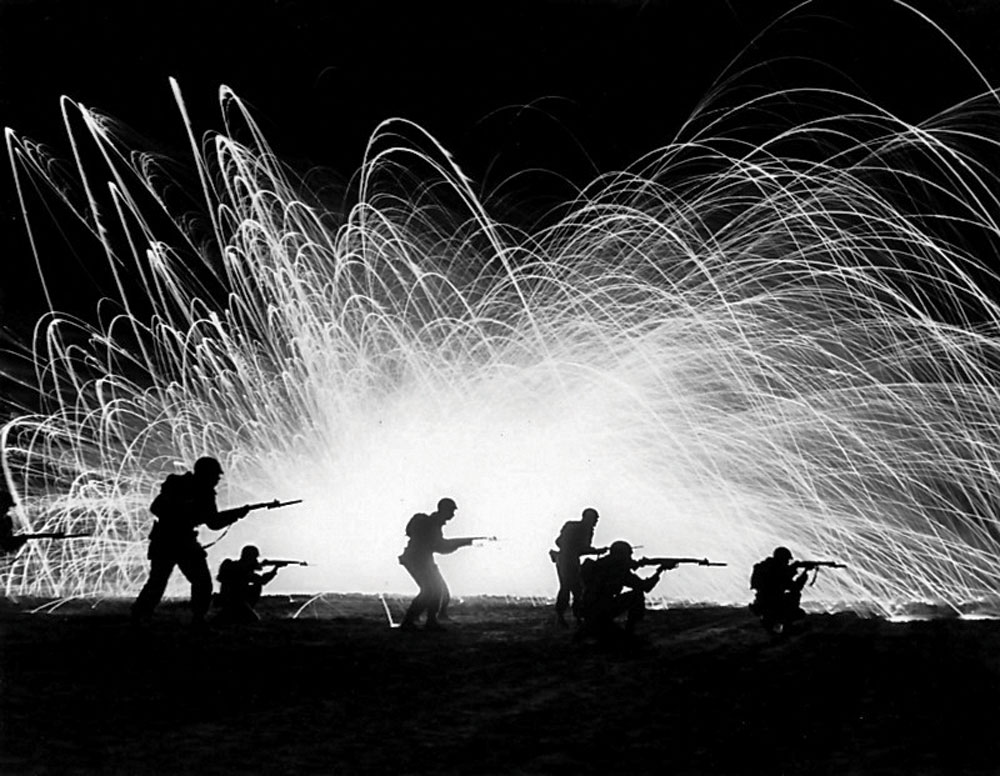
(53,535)
(677,562)
(272,504)
(820,563)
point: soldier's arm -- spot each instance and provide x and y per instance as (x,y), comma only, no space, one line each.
(800,581)
(447,546)
(645,585)
(217,520)
(267,576)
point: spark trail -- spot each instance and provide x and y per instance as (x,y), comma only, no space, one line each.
(732,345)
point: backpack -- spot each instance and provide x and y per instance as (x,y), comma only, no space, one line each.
(418,526)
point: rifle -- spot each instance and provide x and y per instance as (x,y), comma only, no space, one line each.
(815,565)
(673,562)
(270,504)
(280,564)
(51,535)
(812,565)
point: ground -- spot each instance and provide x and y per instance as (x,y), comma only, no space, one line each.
(503,691)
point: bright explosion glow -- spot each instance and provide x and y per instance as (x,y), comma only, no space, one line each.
(732,346)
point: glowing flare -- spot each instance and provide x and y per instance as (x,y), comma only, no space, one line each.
(722,351)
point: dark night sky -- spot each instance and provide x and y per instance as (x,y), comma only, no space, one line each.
(619,77)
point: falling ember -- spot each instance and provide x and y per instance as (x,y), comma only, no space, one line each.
(732,346)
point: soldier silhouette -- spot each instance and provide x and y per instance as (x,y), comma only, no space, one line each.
(241,585)
(185,501)
(576,539)
(9,541)
(426,538)
(778,584)
(604,580)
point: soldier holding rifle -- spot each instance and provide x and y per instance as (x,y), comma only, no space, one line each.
(425,534)
(603,600)
(778,582)
(241,584)
(576,539)
(11,542)
(604,580)
(185,501)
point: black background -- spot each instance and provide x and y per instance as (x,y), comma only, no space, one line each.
(606,81)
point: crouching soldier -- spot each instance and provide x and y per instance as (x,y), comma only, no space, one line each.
(241,585)
(778,584)
(604,580)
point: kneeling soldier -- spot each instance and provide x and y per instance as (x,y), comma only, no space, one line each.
(603,599)
(240,586)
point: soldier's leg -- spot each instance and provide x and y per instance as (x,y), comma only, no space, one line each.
(575,584)
(445,600)
(633,603)
(194,565)
(767,608)
(436,589)
(160,569)
(419,604)
(565,591)
(598,619)
(790,611)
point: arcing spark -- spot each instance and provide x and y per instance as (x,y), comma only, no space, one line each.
(734,345)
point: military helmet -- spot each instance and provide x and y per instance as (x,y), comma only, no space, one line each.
(446,504)
(620,548)
(782,553)
(589,514)
(207,465)
(250,552)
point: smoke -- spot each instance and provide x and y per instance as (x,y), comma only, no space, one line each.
(733,345)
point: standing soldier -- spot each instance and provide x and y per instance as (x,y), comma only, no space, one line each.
(575,540)
(185,501)
(425,539)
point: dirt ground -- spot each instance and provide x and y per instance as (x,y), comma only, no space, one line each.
(336,691)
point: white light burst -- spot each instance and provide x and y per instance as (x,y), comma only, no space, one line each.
(734,345)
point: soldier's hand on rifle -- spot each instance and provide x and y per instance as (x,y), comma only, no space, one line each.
(666,567)
(242,511)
